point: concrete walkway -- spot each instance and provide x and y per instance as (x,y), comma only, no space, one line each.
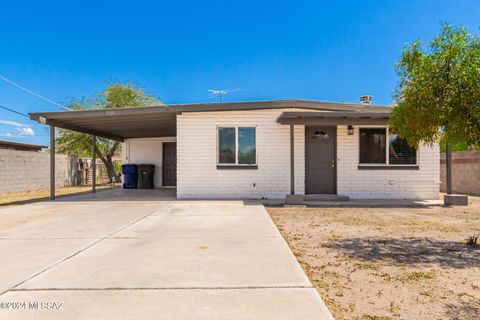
(149,260)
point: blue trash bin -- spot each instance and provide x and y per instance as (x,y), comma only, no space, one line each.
(130,176)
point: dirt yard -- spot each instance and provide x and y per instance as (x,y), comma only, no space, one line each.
(17,198)
(389,263)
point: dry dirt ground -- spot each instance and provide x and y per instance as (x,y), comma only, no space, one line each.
(16,198)
(389,263)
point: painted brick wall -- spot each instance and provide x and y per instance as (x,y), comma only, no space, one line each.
(385,184)
(27,170)
(198,177)
(197,174)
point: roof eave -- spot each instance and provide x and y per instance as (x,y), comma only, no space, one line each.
(217,106)
(333,118)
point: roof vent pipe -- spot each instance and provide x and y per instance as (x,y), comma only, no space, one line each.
(366,99)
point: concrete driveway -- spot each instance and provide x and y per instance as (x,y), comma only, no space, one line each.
(111,258)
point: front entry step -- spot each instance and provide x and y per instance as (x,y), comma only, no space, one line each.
(325,197)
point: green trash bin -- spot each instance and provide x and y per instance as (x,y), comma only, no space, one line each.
(145,176)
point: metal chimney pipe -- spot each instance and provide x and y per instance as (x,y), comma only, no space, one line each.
(366,99)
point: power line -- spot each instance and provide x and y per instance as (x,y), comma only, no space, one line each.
(14,111)
(32,93)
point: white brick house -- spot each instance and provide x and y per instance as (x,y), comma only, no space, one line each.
(246,150)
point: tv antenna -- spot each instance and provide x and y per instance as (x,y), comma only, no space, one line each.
(220,93)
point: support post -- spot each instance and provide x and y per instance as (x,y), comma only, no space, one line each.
(449,168)
(292,198)
(450,198)
(292,160)
(94,165)
(52,162)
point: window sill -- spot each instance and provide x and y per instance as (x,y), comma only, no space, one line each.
(236,167)
(387,167)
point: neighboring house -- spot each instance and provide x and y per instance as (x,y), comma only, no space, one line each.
(247,150)
(19,146)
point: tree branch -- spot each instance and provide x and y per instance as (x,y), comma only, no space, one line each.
(113,148)
(99,153)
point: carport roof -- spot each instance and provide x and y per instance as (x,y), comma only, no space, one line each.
(160,121)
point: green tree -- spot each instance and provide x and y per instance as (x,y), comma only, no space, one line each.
(438,94)
(115,95)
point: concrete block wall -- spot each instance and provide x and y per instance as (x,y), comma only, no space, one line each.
(385,184)
(27,170)
(465,172)
(197,173)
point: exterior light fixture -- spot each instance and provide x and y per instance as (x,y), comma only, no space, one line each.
(350,130)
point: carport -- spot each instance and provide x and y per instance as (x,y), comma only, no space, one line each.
(114,124)
(120,124)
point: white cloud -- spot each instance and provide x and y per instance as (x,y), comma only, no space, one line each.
(8,135)
(12,123)
(23,130)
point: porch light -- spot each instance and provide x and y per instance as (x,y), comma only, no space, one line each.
(350,130)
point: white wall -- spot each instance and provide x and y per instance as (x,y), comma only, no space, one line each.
(197,173)
(385,184)
(198,176)
(146,151)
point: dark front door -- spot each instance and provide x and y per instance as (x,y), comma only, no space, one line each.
(169,172)
(320,161)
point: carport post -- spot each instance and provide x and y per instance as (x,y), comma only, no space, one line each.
(52,162)
(94,165)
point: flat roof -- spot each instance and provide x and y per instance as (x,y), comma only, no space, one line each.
(160,121)
(21,145)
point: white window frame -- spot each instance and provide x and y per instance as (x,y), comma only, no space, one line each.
(236,164)
(387,151)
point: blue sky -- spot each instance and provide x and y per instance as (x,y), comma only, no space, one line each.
(177,50)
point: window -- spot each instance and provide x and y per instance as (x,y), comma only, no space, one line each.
(226,142)
(374,146)
(400,152)
(237,146)
(246,146)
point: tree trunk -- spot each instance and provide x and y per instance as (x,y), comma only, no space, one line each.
(107,161)
(110,170)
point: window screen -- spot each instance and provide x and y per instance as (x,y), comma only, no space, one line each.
(399,152)
(226,145)
(373,146)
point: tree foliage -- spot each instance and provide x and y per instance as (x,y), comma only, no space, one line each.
(115,95)
(438,94)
